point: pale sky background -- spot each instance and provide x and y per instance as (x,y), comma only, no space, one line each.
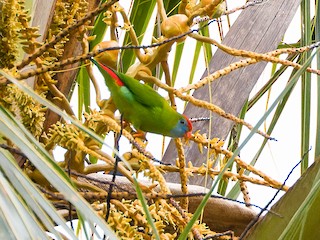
(279,156)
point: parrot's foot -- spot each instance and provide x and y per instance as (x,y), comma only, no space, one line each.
(140,134)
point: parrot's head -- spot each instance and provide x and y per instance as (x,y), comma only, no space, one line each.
(183,128)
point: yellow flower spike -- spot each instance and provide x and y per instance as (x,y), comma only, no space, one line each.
(30,112)
(183,174)
(210,163)
(217,145)
(177,163)
(10,26)
(200,147)
(189,172)
(198,138)
(152,186)
(245,192)
(154,173)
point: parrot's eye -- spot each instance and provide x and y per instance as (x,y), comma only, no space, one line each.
(182,121)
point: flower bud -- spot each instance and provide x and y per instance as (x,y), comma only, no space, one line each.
(109,57)
(175,26)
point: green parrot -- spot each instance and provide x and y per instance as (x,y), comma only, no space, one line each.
(142,106)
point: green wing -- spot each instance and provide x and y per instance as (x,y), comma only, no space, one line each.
(142,93)
(131,88)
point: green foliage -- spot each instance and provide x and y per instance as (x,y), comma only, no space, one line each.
(29,210)
(296,219)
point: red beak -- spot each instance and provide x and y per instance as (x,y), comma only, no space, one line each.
(188,135)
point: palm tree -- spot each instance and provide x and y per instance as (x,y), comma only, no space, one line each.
(53,153)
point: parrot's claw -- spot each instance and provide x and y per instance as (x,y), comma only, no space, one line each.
(140,134)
